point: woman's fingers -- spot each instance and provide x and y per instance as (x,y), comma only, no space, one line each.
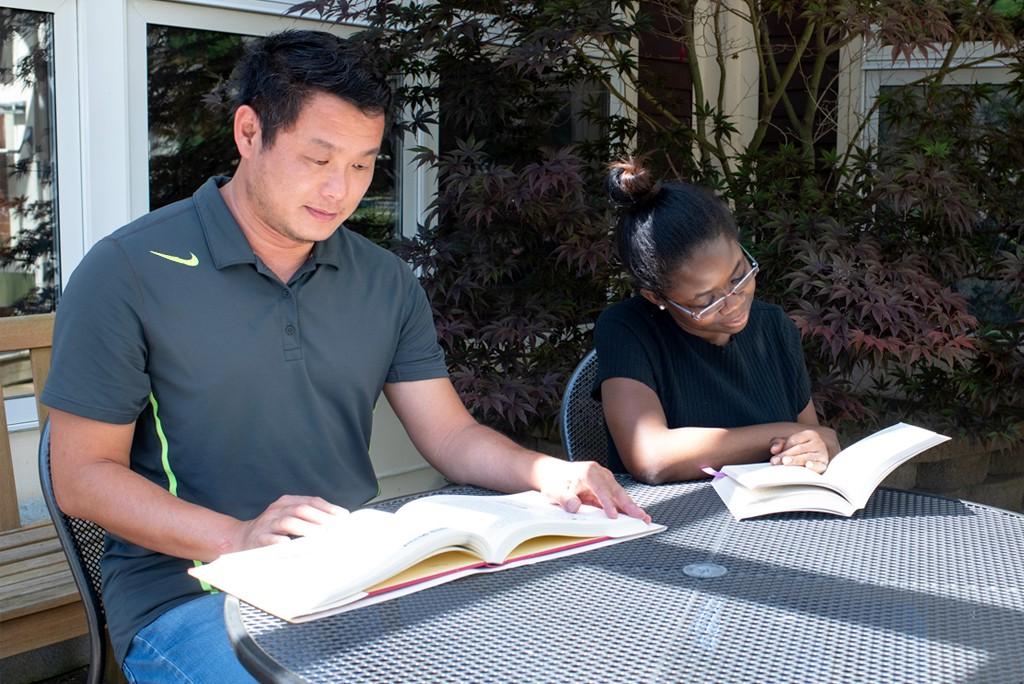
(804,448)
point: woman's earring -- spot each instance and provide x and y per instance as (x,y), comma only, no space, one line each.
(661,306)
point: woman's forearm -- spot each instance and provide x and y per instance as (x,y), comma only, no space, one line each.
(664,455)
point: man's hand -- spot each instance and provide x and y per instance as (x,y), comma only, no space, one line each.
(289,516)
(571,483)
(811,448)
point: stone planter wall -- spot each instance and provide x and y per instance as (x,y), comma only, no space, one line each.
(959,469)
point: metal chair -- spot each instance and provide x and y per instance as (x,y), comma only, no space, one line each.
(82,542)
(583,432)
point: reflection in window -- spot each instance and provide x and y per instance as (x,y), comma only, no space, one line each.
(189,122)
(988,106)
(28,206)
(379,215)
(190,132)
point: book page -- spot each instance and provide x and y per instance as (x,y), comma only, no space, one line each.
(862,466)
(454,569)
(310,573)
(763,475)
(438,565)
(457,560)
(854,472)
(497,524)
(749,503)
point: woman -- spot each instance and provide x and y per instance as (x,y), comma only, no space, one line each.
(694,371)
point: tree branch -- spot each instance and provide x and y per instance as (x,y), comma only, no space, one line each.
(936,76)
(781,86)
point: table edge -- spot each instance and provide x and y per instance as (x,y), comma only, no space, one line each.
(258,662)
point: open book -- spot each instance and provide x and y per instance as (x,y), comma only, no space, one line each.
(371,555)
(843,489)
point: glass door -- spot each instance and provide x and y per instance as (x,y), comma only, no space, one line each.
(189,54)
(28,184)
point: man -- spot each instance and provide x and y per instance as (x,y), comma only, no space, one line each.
(216,364)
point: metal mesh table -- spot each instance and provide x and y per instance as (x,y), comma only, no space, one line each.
(914,588)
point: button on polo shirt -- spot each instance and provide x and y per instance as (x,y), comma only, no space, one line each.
(242,388)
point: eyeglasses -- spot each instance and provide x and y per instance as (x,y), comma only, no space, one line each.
(717,305)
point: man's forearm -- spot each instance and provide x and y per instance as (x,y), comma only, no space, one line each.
(481,456)
(133,508)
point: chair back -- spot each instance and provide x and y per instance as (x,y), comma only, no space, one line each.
(82,542)
(583,432)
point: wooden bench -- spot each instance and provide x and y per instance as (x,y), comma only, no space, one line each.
(39,603)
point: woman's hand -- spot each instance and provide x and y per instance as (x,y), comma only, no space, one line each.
(811,448)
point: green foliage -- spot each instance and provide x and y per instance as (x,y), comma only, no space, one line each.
(900,262)
(516,253)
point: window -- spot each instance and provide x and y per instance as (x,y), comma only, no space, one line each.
(882,76)
(28,202)
(990,112)
(189,128)
(189,124)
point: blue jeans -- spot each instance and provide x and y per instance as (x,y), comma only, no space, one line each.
(186,645)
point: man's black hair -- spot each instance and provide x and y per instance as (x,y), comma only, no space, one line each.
(279,73)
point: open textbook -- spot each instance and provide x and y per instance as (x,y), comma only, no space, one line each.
(371,555)
(843,489)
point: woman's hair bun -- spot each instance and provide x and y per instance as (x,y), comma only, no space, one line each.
(630,184)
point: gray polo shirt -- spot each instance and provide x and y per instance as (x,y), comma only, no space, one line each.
(242,388)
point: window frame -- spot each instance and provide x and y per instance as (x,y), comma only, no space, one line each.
(880,71)
(68,194)
(414,187)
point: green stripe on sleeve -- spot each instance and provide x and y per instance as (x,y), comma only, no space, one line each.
(206,587)
(172,481)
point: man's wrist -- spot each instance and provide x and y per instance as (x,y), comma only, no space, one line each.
(546,470)
(229,536)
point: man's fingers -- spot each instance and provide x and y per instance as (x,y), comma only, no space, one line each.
(316,514)
(599,494)
(294,527)
(319,504)
(629,507)
(267,539)
(802,437)
(614,500)
(608,503)
(287,517)
(610,497)
(592,484)
(783,449)
(571,503)
(292,501)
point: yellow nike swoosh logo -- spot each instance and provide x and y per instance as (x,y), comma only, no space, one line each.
(193,260)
